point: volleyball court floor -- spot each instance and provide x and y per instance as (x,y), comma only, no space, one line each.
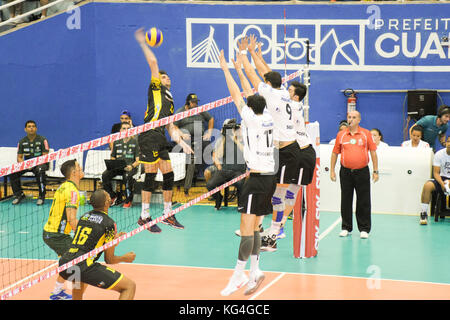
(400,260)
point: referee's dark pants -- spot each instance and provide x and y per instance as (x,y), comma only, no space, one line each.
(359,180)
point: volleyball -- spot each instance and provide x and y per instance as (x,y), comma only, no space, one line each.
(154,37)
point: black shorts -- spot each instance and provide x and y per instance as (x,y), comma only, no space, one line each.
(153,146)
(58,242)
(437,186)
(295,165)
(256,195)
(96,274)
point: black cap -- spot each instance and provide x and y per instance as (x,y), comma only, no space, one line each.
(191,97)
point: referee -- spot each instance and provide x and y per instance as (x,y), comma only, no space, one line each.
(354,144)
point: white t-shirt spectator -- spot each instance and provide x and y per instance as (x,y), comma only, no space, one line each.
(442,159)
(382,145)
(422,144)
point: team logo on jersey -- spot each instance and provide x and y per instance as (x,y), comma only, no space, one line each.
(352,141)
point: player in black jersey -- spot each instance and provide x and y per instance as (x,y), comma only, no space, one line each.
(94,229)
(153,144)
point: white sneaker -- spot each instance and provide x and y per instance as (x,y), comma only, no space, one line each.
(281,234)
(344,233)
(364,235)
(255,281)
(236,282)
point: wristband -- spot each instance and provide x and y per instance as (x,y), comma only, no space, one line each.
(243,51)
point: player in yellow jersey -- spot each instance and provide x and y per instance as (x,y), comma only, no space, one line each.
(153,144)
(62,219)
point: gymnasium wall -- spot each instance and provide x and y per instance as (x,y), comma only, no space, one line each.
(75,72)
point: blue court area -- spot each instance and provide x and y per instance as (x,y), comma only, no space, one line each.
(398,247)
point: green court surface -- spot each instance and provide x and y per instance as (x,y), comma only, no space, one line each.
(398,247)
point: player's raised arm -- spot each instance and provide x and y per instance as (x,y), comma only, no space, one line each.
(148,53)
(248,68)
(260,64)
(246,87)
(235,92)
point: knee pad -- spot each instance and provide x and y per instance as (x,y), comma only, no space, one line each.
(168,179)
(291,194)
(278,201)
(149,182)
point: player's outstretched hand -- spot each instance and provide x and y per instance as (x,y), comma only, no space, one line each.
(238,62)
(243,44)
(252,43)
(222,61)
(259,52)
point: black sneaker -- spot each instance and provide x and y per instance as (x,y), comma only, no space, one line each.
(218,197)
(40,201)
(173,222)
(423,218)
(153,229)
(18,199)
(268,244)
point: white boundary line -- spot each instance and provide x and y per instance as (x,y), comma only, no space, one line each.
(322,235)
(290,273)
(328,230)
(256,295)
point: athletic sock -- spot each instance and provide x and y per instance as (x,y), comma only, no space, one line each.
(254,263)
(424,207)
(240,266)
(275,228)
(59,286)
(167,207)
(145,212)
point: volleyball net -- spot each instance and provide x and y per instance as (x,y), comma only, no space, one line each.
(25,260)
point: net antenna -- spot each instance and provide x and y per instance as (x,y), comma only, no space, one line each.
(285,61)
(305,75)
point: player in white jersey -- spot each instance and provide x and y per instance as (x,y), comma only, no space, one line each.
(295,163)
(440,183)
(255,198)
